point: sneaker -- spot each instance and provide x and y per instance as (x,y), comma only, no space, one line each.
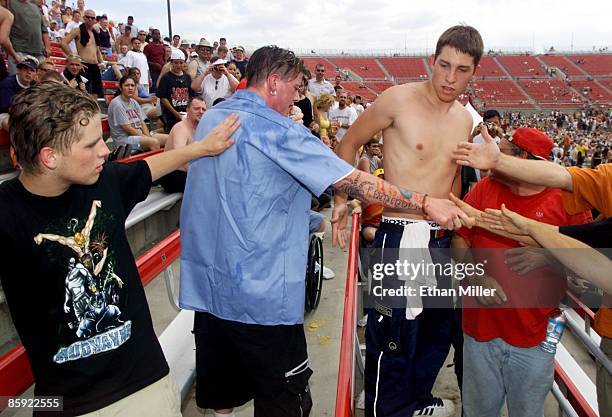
(437,407)
(328,273)
(361,401)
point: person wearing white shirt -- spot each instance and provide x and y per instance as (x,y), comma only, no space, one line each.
(319,84)
(135,58)
(357,105)
(343,116)
(74,23)
(216,82)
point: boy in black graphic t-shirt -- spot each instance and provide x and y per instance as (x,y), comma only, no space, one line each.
(174,91)
(68,273)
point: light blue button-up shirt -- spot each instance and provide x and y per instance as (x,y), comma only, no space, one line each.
(245,213)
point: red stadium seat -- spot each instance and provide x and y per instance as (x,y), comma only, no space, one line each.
(405,67)
(524,66)
(561,62)
(596,65)
(366,68)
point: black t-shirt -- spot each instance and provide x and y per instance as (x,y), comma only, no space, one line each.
(306,106)
(596,235)
(177,89)
(74,292)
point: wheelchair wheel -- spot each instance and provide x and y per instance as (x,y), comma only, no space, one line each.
(314,274)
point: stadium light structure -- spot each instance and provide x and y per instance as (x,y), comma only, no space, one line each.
(169,20)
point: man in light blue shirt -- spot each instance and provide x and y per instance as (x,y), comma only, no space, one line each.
(244,235)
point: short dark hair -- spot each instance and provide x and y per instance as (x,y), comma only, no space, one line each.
(131,17)
(489,114)
(176,36)
(463,38)
(272,59)
(222,39)
(191,99)
(37,122)
(134,39)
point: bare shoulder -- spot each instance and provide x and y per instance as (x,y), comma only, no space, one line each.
(462,115)
(395,99)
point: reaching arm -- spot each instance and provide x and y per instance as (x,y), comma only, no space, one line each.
(65,43)
(217,141)
(371,121)
(588,263)
(487,156)
(370,189)
(6,22)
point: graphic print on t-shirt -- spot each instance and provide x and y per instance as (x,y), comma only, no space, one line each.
(93,292)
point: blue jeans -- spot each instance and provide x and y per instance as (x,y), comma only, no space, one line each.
(495,371)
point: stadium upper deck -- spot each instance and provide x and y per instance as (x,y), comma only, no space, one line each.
(502,81)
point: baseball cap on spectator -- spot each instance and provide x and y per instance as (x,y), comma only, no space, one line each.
(28,61)
(239,48)
(205,43)
(194,54)
(185,42)
(177,54)
(532,141)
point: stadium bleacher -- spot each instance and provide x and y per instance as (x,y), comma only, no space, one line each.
(406,67)
(593,91)
(330,69)
(488,67)
(366,68)
(356,87)
(551,93)
(563,64)
(522,66)
(502,94)
(594,64)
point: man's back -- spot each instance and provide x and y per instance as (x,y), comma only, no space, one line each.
(256,214)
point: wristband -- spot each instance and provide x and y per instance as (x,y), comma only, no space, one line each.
(423,204)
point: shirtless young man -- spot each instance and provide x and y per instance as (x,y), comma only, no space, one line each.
(421,123)
(88,50)
(182,134)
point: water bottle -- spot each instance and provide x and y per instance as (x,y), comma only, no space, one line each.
(554,331)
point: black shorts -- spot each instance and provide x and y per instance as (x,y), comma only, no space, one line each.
(174,182)
(238,362)
(94,79)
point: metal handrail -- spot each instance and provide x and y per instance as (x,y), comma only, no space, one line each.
(346,367)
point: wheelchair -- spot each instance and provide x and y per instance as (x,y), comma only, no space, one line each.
(314,273)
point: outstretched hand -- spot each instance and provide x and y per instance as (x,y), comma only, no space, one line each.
(339,220)
(473,215)
(444,212)
(478,155)
(507,220)
(219,139)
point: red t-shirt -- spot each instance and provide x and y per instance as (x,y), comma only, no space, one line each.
(540,290)
(155,53)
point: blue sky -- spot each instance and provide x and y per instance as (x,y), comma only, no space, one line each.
(372,24)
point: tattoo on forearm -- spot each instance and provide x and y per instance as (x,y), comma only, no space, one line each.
(363,188)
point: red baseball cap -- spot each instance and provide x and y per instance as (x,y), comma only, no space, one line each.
(533,141)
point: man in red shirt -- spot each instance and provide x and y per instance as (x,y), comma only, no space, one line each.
(502,359)
(154,51)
